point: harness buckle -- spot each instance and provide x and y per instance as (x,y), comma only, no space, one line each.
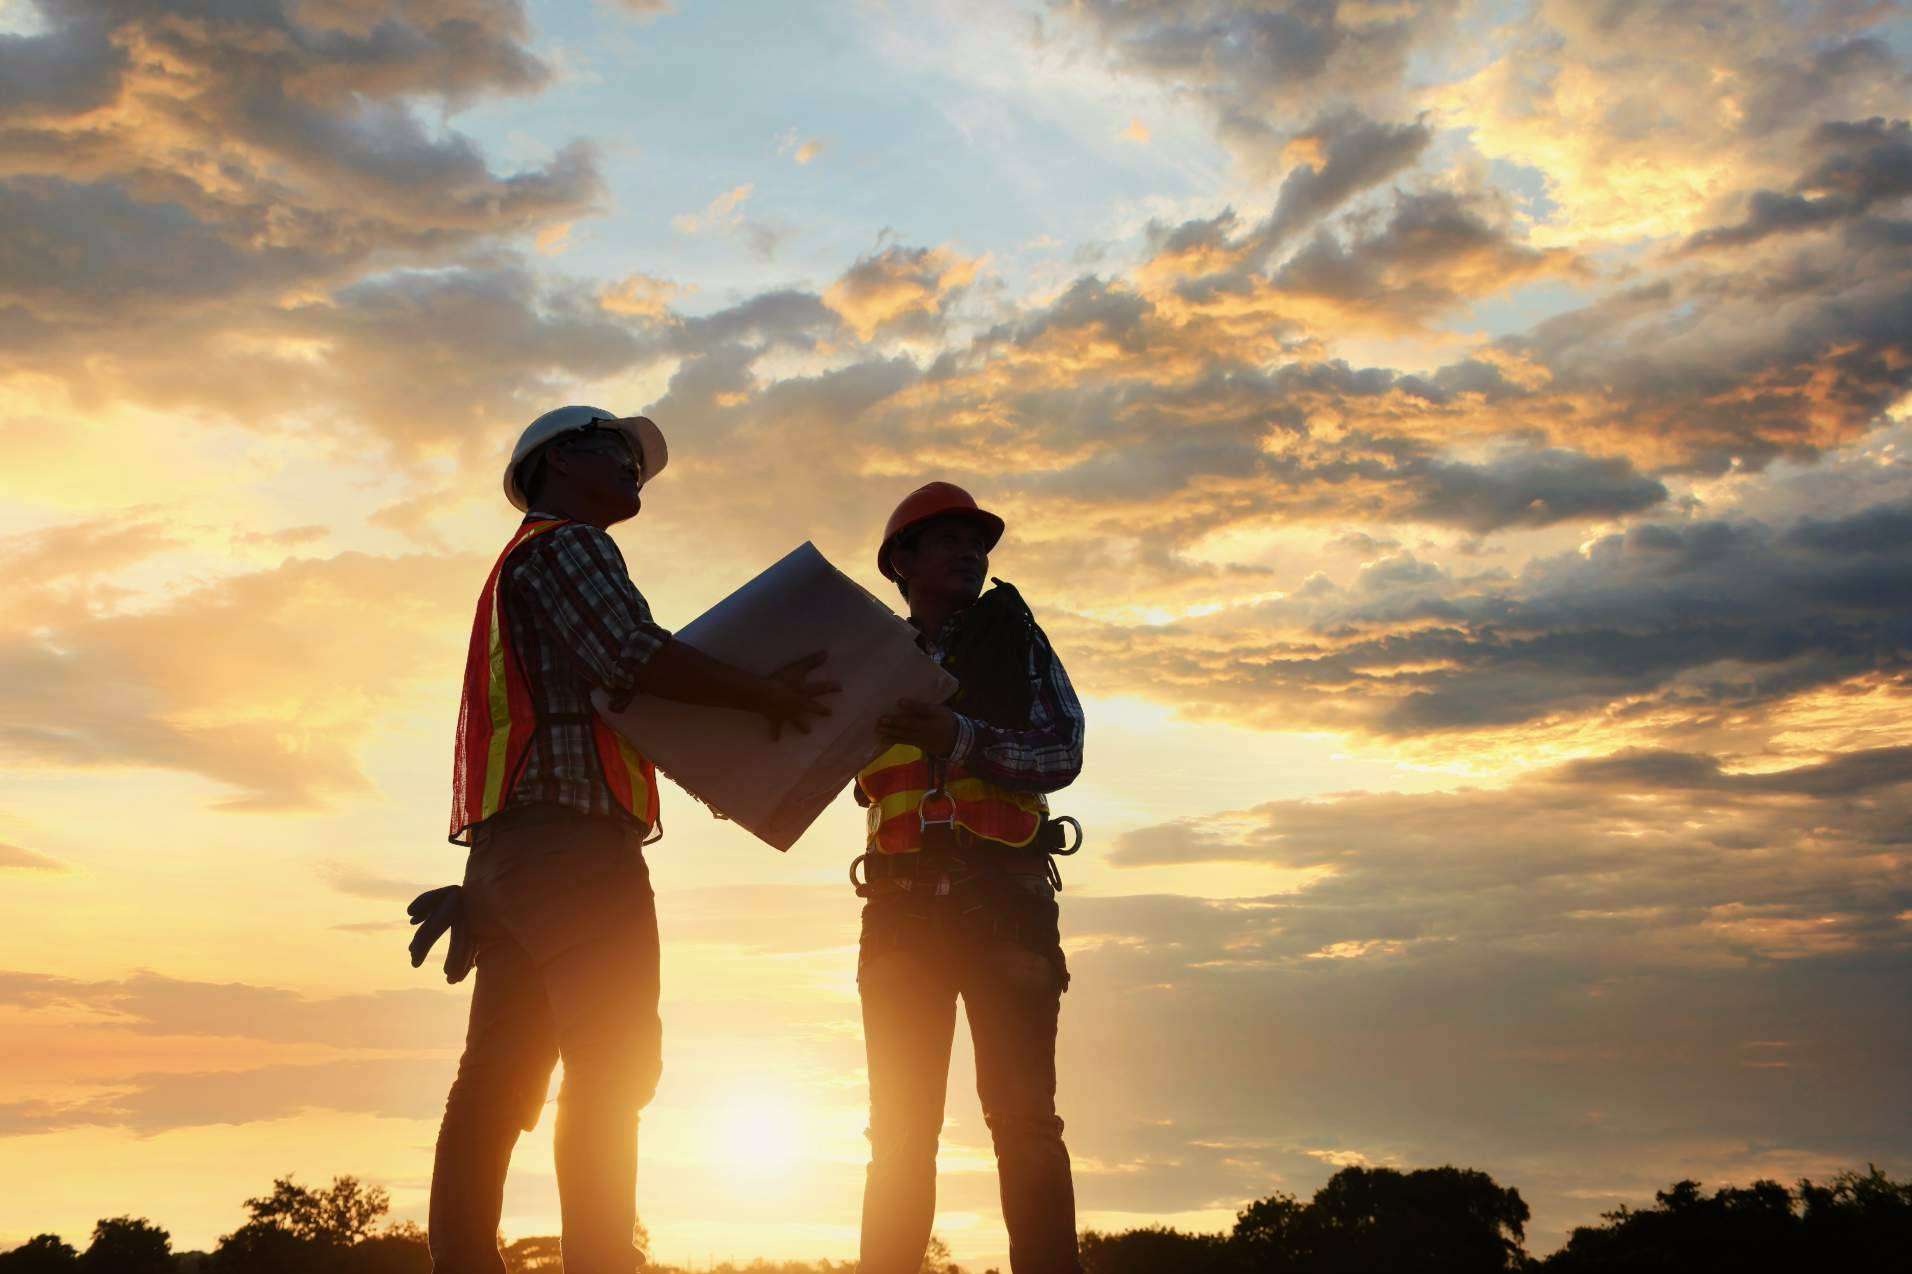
(923,821)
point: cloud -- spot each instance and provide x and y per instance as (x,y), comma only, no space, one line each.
(724,215)
(152,1004)
(1532,488)
(1599,973)
(1601,102)
(361,884)
(1867,163)
(1434,251)
(1253,65)
(1338,157)
(720,211)
(182,188)
(14,858)
(1669,625)
(273,707)
(410,362)
(641,294)
(146,1105)
(901,291)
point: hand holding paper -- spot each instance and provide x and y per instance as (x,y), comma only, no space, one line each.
(805,697)
(772,627)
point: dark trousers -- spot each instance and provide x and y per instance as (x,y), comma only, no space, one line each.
(562,908)
(996,949)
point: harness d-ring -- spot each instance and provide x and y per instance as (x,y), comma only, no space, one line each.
(1064,818)
(923,821)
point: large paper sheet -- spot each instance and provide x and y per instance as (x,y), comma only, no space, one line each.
(726,757)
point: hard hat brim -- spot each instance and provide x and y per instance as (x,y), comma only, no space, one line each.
(646,439)
(991,524)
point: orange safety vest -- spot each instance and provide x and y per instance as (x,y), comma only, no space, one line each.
(495,720)
(908,792)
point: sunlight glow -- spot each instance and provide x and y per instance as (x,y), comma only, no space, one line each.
(761,1135)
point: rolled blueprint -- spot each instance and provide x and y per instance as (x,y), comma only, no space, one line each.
(725,757)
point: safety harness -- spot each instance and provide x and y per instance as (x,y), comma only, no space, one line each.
(933,825)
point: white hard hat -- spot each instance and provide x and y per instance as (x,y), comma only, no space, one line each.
(646,439)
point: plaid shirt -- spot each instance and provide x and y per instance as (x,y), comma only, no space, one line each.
(577,623)
(1045,757)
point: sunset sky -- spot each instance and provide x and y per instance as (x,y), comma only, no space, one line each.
(1461,451)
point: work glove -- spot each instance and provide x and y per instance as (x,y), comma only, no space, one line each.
(435,911)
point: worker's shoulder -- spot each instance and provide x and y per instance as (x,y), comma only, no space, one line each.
(579,543)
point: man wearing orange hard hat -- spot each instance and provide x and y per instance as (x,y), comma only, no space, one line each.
(960,894)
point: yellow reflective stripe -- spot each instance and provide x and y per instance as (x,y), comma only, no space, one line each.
(968,792)
(499,694)
(640,781)
(895,754)
(895,803)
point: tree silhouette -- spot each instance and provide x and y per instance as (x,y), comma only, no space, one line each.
(1861,1222)
(541,1254)
(1154,1249)
(128,1245)
(1432,1220)
(1271,1235)
(41,1254)
(341,1215)
(298,1230)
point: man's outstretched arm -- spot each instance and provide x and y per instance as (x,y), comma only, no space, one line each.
(577,576)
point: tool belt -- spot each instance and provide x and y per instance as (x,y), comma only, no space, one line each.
(954,853)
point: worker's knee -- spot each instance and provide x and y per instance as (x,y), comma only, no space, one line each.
(901,1141)
(611,1082)
(1014,1130)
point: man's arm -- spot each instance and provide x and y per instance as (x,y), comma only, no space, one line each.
(688,675)
(579,580)
(1043,758)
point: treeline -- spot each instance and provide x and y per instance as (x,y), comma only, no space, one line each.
(1458,1221)
(1363,1221)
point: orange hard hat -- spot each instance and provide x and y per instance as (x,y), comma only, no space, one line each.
(933,500)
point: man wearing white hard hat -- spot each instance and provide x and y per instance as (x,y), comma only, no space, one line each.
(557,808)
